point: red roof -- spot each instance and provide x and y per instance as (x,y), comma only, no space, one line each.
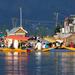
(19,38)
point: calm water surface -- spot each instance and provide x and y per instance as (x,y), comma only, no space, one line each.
(37,63)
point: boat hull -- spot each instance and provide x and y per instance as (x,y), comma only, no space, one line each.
(70,48)
(25,50)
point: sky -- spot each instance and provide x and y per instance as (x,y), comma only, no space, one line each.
(35,10)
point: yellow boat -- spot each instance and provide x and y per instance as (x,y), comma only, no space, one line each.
(16,49)
(26,50)
(20,49)
(43,50)
(70,48)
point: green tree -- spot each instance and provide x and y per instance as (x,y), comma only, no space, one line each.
(35,31)
(4,29)
(57,29)
(0,29)
(42,31)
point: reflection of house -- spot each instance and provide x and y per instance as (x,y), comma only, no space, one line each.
(18,31)
(68,38)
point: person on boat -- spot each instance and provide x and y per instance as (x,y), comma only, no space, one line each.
(71,45)
(49,45)
(64,44)
(22,43)
(16,44)
(46,46)
(11,47)
(26,44)
(43,46)
(29,45)
(53,45)
(61,45)
(38,45)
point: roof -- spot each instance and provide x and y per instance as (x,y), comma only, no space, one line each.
(59,41)
(44,41)
(50,40)
(16,29)
(62,35)
(19,38)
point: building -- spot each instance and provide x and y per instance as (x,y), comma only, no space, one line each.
(69,25)
(68,32)
(18,31)
(68,38)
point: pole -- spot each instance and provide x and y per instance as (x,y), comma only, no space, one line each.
(26,24)
(60,24)
(20,17)
(56,14)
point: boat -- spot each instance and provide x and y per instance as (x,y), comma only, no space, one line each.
(43,50)
(70,48)
(26,50)
(50,40)
(22,49)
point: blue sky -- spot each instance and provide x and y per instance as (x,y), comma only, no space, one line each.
(40,10)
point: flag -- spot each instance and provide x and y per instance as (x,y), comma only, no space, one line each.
(66,18)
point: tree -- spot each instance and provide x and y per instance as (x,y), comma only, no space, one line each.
(42,31)
(35,31)
(4,29)
(57,29)
(0,29)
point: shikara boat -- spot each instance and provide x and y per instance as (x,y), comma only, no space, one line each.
(70,48)
(43,50)
(22,49)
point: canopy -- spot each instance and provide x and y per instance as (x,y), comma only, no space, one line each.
(60,41)
(50,40)
(44,41)
(19,38)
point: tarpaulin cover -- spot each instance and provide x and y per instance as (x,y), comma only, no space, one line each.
(19,38)
(44,41)
(50,40)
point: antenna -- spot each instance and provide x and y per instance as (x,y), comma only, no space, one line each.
(14,22)
(56,14)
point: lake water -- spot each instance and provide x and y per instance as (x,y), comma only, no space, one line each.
(37,63)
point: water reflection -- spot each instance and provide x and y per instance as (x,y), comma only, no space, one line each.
(65,63)
(37,63)
(16,64)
